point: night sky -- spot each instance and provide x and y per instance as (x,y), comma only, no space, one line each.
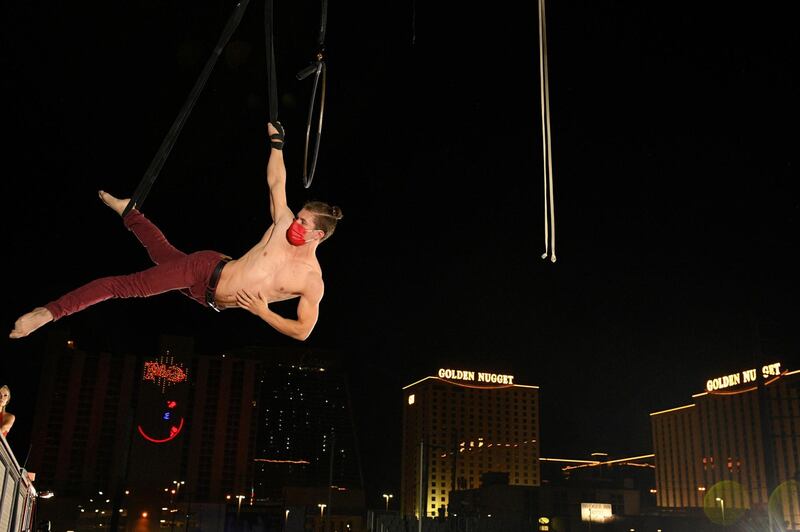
(674,165)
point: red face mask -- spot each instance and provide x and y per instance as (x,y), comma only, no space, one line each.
(296,234)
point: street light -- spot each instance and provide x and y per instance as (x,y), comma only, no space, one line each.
(239,507)
(174,500)
(722,503)
(321,509)
(387,496)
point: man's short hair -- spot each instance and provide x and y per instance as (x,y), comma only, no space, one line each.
(325,216)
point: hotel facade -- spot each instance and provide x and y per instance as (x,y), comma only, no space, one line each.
(735,448)
(115,433)
(460,424)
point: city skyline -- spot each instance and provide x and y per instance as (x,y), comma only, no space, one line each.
(476,427)
(382,461)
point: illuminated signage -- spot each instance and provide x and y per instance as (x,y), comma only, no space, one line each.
(173,433)
(475,376)
(164,372)
(161,418)
(596,512)
(174,430)
(743,377)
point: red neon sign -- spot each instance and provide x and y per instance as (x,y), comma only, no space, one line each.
(158,371)
(163,372)
(173,433)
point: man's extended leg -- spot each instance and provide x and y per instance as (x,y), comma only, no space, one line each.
(158,247)
(191,270)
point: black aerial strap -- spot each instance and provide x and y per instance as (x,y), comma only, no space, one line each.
(272,80)
(169,141)
(317,67)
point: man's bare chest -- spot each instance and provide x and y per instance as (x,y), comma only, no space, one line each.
(275,271)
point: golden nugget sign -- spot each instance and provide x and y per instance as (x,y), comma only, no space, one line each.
(472,376)
(743,377)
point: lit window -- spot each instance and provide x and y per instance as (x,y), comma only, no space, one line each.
(411,399)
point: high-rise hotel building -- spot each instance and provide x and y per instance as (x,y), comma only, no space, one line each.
(103,420)
(464,423)
(737,444)
(306,431)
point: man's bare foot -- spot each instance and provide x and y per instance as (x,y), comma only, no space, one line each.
(31,321)
(116,204)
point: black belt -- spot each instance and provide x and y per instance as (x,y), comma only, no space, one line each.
(212,284)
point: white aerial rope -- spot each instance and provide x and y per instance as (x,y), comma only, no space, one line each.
(549,208)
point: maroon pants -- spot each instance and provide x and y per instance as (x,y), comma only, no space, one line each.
(173,270)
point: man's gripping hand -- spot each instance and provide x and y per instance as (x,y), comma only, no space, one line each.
(253,303)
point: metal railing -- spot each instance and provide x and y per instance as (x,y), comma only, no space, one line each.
(17,494)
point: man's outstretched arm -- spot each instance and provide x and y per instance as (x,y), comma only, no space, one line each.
(276,175)
(307,312)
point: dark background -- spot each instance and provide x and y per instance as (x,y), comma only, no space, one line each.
(674,168)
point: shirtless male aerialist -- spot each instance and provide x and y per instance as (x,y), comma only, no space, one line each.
(283,265)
